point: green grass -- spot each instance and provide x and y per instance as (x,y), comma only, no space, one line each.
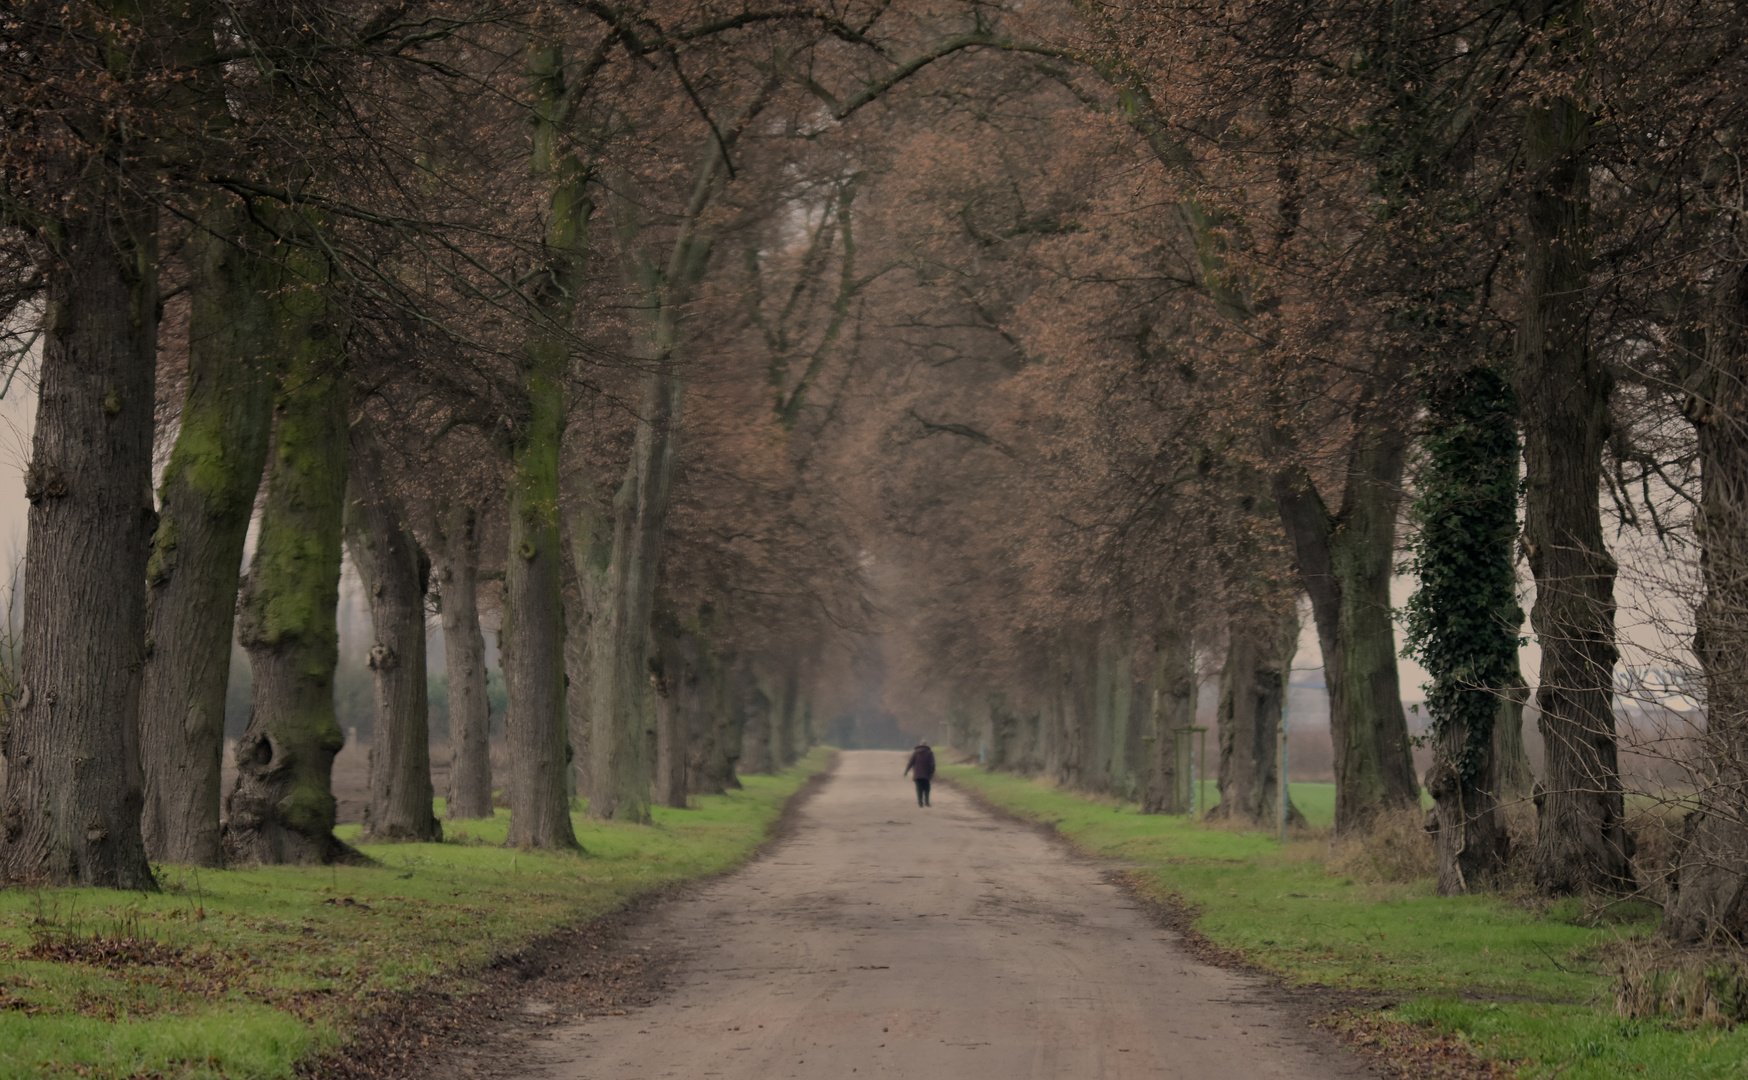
(1529,984)
(248,971)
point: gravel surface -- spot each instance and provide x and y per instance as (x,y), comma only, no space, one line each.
(883,939)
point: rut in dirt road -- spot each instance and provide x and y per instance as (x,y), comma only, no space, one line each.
(887,940)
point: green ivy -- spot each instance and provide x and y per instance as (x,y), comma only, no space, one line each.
(1463,619)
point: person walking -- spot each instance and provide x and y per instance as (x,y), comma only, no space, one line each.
(922,763)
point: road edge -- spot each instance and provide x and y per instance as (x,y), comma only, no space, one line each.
(418,1034)
(1409,1051)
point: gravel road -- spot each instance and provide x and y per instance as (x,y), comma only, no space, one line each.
(886,940)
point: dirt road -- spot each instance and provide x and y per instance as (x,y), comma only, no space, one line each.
(885,940)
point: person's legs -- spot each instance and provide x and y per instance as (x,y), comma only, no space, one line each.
(922,792)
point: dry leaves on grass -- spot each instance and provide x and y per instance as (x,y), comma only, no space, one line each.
(1415,1050)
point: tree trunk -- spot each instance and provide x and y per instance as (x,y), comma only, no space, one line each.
(1515,779)
(1465,821)
(1253,691)
(537,721)
(755,709)
(395,573)
(719,722)
(1563,391)
(785,745)
(1711,898)
(206,500)
(536,724)
(74,789)
(464,649)
(1463,619)
(619,712)
(281,808)
(1109,704)
(1174,707)
(620,743)
(1345,563)
(673,684)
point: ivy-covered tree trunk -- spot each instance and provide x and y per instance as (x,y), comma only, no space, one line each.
(1346,560)
(464,652)
(1711,895)
(71,813)
(205,503)
(1463,619)
(1253,690)
(395,574)
(1173,705)
(1563,391)
(281,808)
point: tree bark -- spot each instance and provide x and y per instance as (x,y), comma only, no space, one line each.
(1253,691)
(206,500)
(536,726)
(673,685)
(719,723)
(395,574)
(74,789)
(619,714)
(1515,780)
(1711,896)
(281,808)
(620,742)
(1563,391)
(537,722)
(1345,563)
(1174,707)
(785,746)
(464,650)
(754,707)
(1467,827)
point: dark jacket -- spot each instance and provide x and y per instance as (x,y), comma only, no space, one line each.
(922,761)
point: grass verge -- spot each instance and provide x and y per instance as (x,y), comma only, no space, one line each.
(243,973)
(1527,985)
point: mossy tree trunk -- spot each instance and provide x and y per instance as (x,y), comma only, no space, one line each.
(74,790)
(396,575)
(464,648)
(1253,691)
(1346,560)
(537,723)
(536,726)
(206,499)
(281,808)
(1563,390)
